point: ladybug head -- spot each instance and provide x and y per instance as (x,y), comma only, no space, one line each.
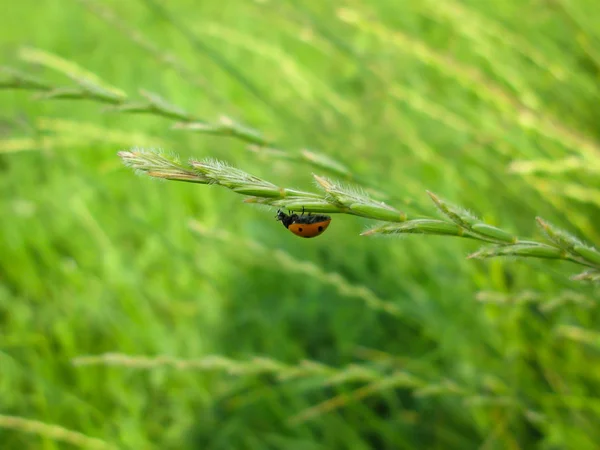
(286,219)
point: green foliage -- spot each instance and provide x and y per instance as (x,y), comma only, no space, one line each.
(175,315)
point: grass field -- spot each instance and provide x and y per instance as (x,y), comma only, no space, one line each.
(140,314)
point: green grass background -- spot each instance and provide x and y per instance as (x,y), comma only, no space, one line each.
(94,259)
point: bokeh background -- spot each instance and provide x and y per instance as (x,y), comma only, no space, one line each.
(228,332)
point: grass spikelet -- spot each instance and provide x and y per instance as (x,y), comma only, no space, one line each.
(579,334)
(545,302)
(567,298)
(159,165)
(577,192)
(592,276)
(446,387)
(354,373)
(86,131)
(16,79)
(323,161)
(552,167)
(89,87)
(569,243)
(561,238)
(226,127)
(152,104)
(68,68)
(358,203)
(502,298)
(419,226)
(54,433)
(219,172)
(460,216)
(521,250)
(398,379)
(15,145)
(469,222)
(254,366)
(207,363)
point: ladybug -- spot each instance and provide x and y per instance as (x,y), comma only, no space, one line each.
(304,226)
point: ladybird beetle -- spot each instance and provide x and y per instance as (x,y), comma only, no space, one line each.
(304,226)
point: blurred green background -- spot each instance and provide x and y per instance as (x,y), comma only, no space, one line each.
(492,105)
